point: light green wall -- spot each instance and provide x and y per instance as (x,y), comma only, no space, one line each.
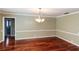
(24,23)
(29,23)
(27,27)
(69,23)
(69,37)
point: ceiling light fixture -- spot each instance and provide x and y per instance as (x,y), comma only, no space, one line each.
(40,19)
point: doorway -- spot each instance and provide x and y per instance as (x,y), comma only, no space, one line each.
(9,31)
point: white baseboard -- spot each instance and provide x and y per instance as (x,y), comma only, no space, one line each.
(45,37)
(1,41)
(48,36)
(35,37)
(67,40)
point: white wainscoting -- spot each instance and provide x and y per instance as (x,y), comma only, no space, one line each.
(31,31)
(68,32)
(53,35)
(66,39)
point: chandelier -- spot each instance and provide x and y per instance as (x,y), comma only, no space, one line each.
(39,19)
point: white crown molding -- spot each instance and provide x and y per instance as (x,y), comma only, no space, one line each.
(37,15)
(68,14)
(24,14)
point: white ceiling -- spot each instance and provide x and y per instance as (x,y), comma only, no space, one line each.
(34,11)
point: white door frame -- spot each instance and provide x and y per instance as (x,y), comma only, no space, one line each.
(3,31)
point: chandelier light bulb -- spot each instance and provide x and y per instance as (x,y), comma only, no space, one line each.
(39,19)
(42,20)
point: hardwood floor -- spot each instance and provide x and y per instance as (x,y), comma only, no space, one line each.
(41,44)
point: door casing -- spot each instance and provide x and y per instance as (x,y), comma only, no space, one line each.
(3,31)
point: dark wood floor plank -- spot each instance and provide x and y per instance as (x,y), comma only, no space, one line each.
(41,44)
